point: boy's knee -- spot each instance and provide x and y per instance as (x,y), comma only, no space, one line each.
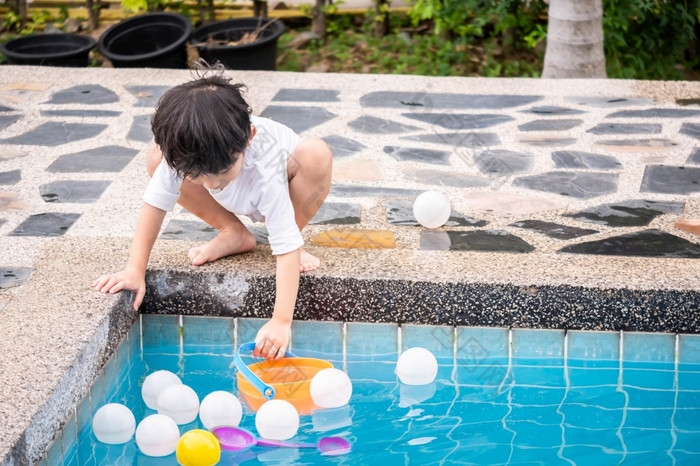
(319,153)
(153,158)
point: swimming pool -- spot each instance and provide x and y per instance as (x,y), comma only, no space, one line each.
(502,396)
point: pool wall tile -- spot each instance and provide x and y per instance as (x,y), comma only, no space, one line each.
(204,334)
(97,393)
(312,337)
(689,349)
(160,331)
(593,345)
(439,340)
(54,455)
(478,346)
(538,343)
(134,341)
(366,340)
(84,412)
(648,347)
(122,357)
(248,328)
(110,376)
(70,434)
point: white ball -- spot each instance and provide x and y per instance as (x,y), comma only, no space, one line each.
(113,423)
(277,420)
(179,402)
(157,435)
(417,366)
(330,388)
(154,384)
(432,209)
(220,408)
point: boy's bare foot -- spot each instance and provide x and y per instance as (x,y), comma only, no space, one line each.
(307,261)
(225,244)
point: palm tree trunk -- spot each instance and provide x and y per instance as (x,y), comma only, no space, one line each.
(575,40)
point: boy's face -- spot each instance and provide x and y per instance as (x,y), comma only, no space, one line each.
(221,180)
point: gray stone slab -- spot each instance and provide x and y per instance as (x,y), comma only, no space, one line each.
(140,129)
(54,133)
(501,162)
(433,100)
(147,96)
(580,159)
(611,102)
(694,157)
(481,240)
(188,230)
(550,125)
(457,140)
(368,191)
(691,129)
(6,109)
(298,118)
(630,144)
(671,180)
(373,125)
(7,120)
(81,113)
(10,177)
(88,94)
(547,142)
(306,95)
(460,121)
(100,159)
(647,243)
(343,147)
(686,102)
(50,224)
(13,276)
(441,178)
(412,154)
(630,213)
(625,128)
(337,213)
(656,113)
(553,230)
(400,212)
(572,184)
(552,110)
(81,192)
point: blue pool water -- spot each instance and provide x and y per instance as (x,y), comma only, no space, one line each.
(501,397)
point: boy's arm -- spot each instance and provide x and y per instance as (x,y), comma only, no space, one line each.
(133,276)
(273,338)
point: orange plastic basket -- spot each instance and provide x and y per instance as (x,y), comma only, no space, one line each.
(286,379)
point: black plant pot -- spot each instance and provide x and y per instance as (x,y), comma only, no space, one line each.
(153,40)
(258,55)
(49,50)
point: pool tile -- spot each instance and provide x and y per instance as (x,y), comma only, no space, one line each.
(593,345)
(83,412)
(97,394)
(310,338)
(537,396)
(371,341)
(54,455)
(662,379)
(122,358)
(689,349)
(648,419)
(110,376)
(537,344)
(159,331)
(644,398)
(248,328)
(70,435)
(648,347)
(539,376)
(439,340)
(375,372)
(208,334)
(687,419)
(592,417)
(481,345)
(134,340)
(492,374)
(606,397)
(590,377)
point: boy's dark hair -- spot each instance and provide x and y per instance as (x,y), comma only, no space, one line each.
(202,126)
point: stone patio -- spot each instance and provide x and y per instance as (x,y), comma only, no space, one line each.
(558,188)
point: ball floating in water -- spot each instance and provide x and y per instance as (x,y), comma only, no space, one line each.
(431,209)
(157,435)
(179,402)
(154,384)
(220,408)
(277,420)
(417,366)
(198,448)
(330,388)
(114,423)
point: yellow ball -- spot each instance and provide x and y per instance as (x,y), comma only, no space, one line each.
(198,448)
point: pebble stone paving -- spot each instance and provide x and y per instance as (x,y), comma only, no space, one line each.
(578,179)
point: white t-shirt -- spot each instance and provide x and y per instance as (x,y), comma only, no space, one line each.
(260,191)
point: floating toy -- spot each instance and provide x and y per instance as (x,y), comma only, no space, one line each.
(154,384)
(179,402)
(286,379)
(277,420)
(432,209)
(416,366)
(236,439)
(198,447)
(220,408)
(114,424)
(331,388)
(157,435)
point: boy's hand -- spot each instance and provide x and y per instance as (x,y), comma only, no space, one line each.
(127,279)
(272,339)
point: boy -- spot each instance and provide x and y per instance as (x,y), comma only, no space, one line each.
(216,160)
